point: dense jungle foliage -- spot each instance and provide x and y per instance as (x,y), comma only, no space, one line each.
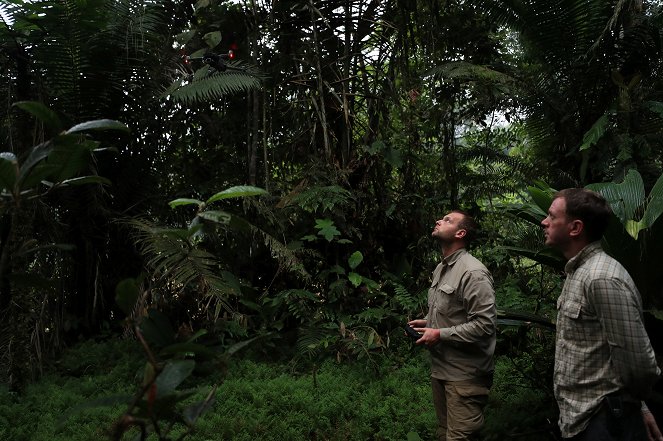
(239,190)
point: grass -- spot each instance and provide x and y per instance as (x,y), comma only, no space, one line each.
(258,401)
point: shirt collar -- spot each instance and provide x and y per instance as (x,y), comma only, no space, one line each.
(582,257)
(453,257)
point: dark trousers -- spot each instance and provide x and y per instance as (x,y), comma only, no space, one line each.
(613,424)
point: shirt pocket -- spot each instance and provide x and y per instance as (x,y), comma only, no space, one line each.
(447,305)
(447,289)
(571,309)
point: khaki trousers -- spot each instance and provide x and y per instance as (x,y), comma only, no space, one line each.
(459,407)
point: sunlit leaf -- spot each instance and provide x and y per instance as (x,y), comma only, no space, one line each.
(99,124)
(184,201)
(237,192)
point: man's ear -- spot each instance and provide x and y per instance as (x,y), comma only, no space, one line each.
(460,233)
(577,227)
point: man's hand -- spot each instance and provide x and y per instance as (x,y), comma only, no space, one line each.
(418,323)
(653,433)
(430,336)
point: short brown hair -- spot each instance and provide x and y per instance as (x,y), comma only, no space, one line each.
(589,207)
(469,225)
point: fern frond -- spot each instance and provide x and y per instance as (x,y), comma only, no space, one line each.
(311,339)
(178,264)
(215,86)
(326,198)
(285,256)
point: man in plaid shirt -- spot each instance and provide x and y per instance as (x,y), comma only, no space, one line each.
(604,361)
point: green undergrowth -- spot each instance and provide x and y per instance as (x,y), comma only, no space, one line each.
(255,400)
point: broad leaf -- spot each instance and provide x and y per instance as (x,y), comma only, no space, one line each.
(546,256)
(220,217)
(655,206)
(26,177)
(242,344)
(595,132)
(212,39)
(173,374)
(42,113)
(327,229)
(237,192)
(156,329)
(194,411)
(624,198)
(541,198)
(355,259)
(126,295)
(8,171)
(355,279)
(99,124)
(184,201)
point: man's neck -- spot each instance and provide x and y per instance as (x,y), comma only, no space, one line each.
(449,249)
(574,248)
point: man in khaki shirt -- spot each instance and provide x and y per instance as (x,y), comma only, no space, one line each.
(460,331)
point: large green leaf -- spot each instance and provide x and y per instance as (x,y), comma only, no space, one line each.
(184,201)
(541,198)
(355,259)
(193,412)
(26,175)
(217,216)
(8,171)
(42,113)
(99,124)
(355,279)
(126,295)
(544,256)
(212,39)
(624,198)
(173,374)
(327,229)
(157,329)
(655,204)
(237,192)
(598,129)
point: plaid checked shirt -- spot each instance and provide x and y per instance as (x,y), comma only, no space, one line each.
(601,344)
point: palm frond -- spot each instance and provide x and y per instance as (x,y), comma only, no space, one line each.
(310,340)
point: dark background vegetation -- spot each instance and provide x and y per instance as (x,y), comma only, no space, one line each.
(266,223)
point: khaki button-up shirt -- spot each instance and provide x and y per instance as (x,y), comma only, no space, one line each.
(461,303)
